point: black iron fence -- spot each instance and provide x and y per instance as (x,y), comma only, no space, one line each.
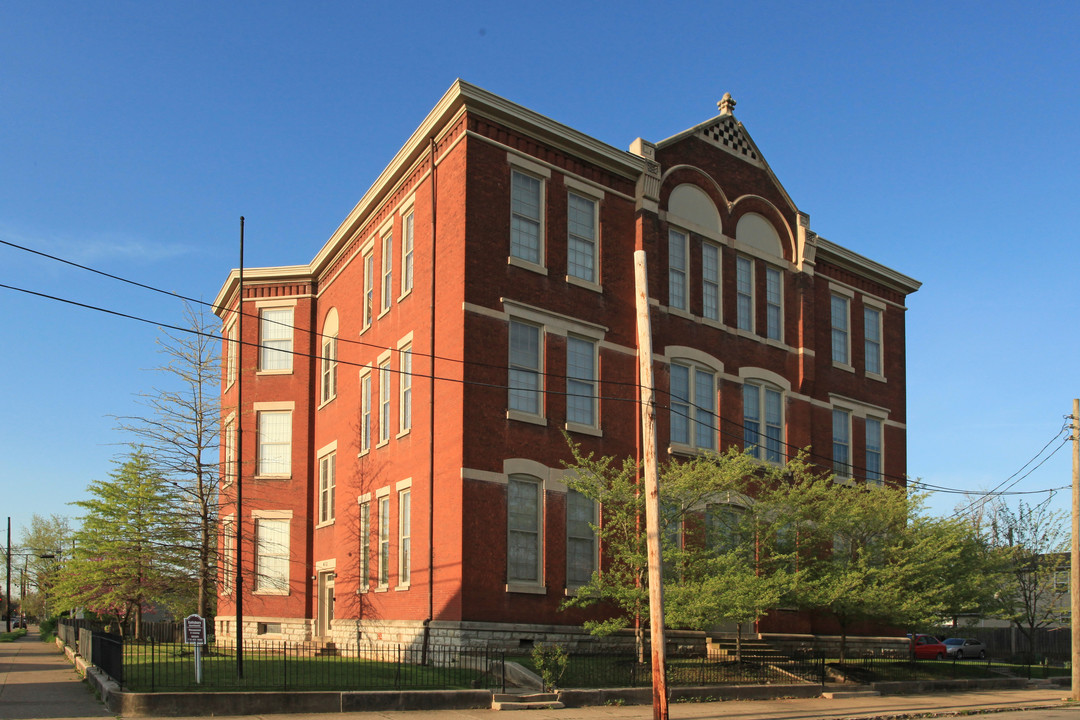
(158,630)
(152,666)
(892,665)
(612,669)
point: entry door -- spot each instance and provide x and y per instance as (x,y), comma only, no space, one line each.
(326,603)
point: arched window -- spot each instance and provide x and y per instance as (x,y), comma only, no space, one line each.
(763,421)
(328,358)
(693,405)
(524,531)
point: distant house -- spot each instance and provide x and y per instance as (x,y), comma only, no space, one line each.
(405,393)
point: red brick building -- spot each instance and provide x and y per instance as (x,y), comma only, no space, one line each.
(405,392)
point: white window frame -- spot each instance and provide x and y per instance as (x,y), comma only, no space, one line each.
(711,307)
(517,408)
(263,467)
(384,399)
(364,522)
(841,443)
(230,469)
(227,562)
(744,293)
(698,414)
(774,303)
(582,537)
(404,535)
(678,262)
(756,442)
(840,324)
(873,339)
(277,583)
(524,529)
(875,448)
(387,286)
(583,238)
(365,410)
(517,254)
(276,326)
(408,230)
(405,392)
(382,502)
(232,354)
(582,385)
(327,484)
(328,370)
(368,299)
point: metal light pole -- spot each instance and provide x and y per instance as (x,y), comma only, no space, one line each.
(7,593)
(1074,559)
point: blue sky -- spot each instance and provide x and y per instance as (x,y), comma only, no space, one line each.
(940,139)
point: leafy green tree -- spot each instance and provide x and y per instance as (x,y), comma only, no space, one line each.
(713,554)
(45,543)
(856,528)
(693,561)
(126,550)
(622,582)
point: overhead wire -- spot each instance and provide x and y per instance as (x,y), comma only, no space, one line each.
(820,458)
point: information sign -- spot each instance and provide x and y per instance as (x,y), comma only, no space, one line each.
(194,630)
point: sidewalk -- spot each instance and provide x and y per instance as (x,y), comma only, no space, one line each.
(37,681)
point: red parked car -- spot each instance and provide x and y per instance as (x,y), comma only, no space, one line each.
(928,647)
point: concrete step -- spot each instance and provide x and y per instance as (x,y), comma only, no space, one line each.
(843,694)
(531,701)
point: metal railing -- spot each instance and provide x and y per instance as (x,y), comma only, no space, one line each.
(892,665)
(153,666)
(612,669)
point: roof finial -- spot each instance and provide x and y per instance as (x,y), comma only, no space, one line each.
(726,105)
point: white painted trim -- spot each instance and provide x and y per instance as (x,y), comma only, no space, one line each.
(272,515)
(763,375)
(273,406)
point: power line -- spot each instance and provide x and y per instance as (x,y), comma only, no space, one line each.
(821,459)
(255,316)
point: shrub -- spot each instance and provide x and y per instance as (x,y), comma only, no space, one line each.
(550,661)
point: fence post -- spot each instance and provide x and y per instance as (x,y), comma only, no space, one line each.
(397,673)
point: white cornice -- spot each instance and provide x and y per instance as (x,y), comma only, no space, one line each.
(850,260)
(461,97)
(256,276)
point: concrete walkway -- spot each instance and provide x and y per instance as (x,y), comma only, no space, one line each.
(37,681)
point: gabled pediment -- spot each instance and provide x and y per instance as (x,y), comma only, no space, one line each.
(727,133)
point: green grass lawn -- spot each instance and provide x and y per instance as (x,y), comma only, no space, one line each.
(884,670)
(11,636)
(172,668)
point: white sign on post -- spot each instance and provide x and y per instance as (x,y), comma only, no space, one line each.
(195,634)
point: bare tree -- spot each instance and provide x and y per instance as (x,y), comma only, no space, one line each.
(181,433)
(1035,541)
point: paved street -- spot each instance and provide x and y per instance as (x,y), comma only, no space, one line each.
(36,681)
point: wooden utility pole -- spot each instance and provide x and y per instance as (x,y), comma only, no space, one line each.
(1074,559)
(652,491)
